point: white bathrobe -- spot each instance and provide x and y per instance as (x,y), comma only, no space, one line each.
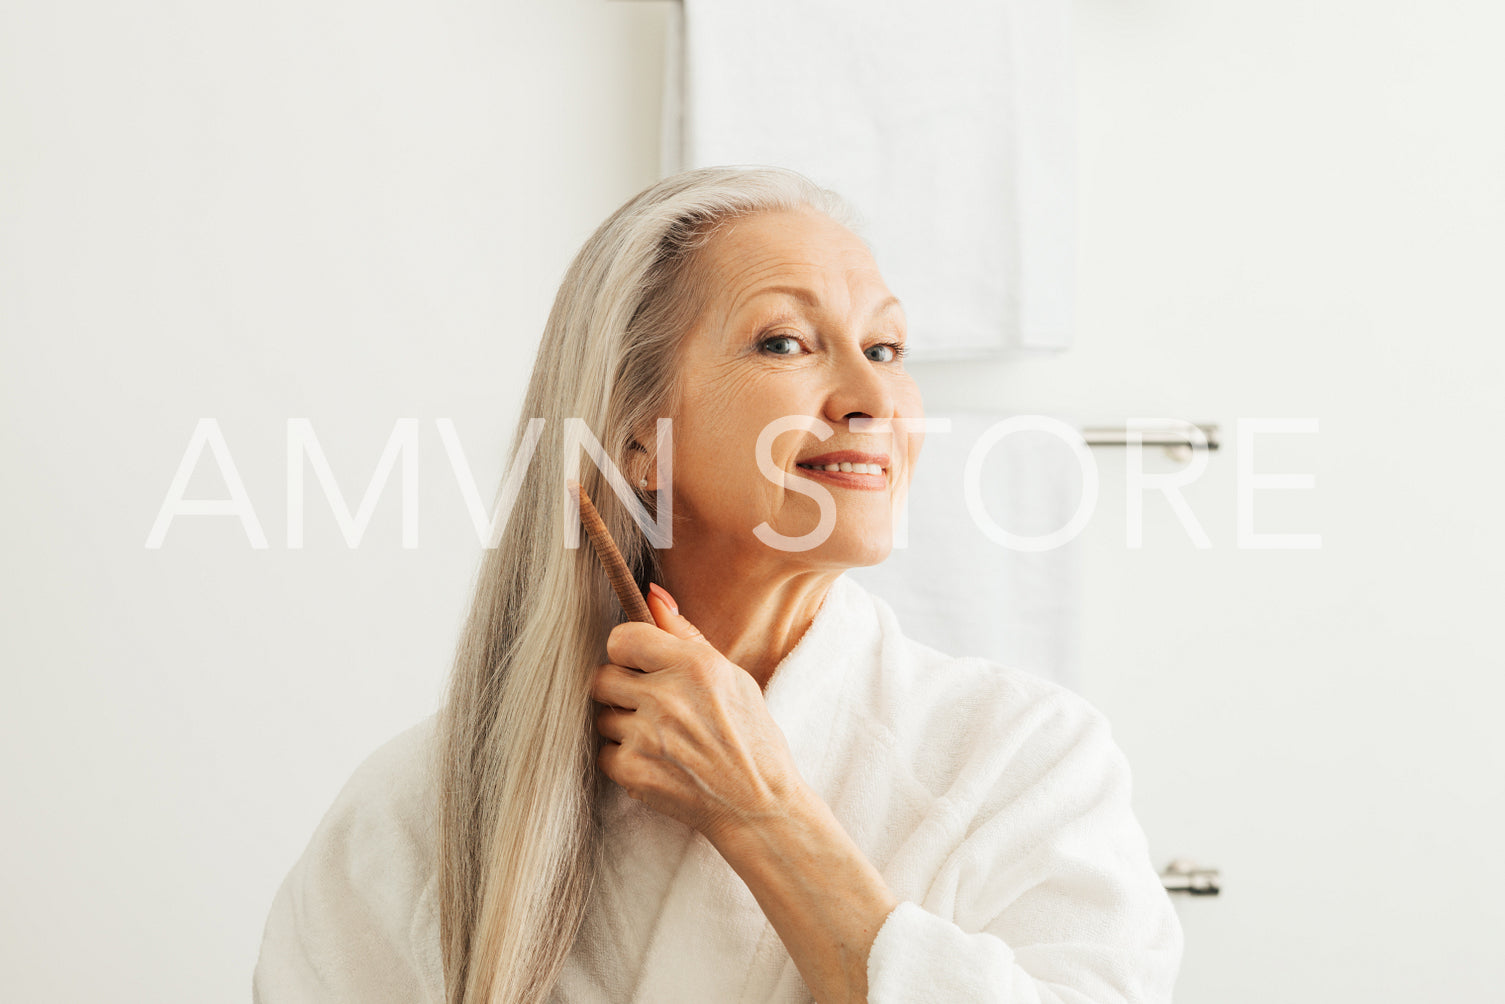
(994,802)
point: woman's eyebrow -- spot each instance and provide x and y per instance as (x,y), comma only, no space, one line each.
(809,298)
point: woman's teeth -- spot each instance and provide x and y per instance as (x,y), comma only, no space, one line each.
(849,468)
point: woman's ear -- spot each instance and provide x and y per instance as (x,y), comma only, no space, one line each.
(642,467)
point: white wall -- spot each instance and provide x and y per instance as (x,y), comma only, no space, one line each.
(359,213)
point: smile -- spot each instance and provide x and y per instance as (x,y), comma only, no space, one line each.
(845,468)
(863,476)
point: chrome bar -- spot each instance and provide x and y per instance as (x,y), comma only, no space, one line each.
(1171,435)
(1186,876)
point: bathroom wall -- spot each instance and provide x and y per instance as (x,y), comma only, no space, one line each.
(357,215)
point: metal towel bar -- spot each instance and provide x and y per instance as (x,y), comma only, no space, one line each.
(1186,876)
(1170,435)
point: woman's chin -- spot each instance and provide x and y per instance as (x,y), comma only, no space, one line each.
(856,549)
(857,538)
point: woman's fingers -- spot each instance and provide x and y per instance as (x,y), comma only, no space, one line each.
(698,747)
(616,685)
(607,760)
(651,648)
(612,723)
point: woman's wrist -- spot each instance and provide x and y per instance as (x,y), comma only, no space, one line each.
(820,892)
(793,809)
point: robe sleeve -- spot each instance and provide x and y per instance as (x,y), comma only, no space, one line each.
(345,924)
(1053,892)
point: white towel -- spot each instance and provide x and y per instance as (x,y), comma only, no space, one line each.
(961,591)
(948,124)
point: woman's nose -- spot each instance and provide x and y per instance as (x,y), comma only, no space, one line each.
(858,390)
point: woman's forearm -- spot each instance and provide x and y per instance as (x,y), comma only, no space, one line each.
(820,892)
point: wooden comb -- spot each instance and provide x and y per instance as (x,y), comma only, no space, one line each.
(622,582)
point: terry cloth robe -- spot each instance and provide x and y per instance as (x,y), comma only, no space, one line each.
(995,804)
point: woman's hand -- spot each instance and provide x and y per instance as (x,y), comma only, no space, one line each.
(697,743)
(690,736)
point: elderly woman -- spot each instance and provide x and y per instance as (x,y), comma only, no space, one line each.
(770,794)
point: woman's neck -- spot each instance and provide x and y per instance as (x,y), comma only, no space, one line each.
(753,615)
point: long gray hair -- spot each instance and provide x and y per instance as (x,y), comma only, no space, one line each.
(519,828)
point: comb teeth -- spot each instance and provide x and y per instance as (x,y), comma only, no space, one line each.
(617,572)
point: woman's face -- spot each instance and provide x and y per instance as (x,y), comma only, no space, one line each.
(799,323)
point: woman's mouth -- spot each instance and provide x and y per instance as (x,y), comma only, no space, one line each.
(849,475)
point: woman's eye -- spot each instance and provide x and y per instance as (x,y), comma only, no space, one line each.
(781,345)
(885,353)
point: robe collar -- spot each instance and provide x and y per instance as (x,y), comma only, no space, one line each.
(807,690)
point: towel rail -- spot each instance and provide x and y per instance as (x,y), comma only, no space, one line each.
(1186,876)
(1169,435)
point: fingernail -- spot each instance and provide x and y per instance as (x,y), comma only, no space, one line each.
(663,594)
